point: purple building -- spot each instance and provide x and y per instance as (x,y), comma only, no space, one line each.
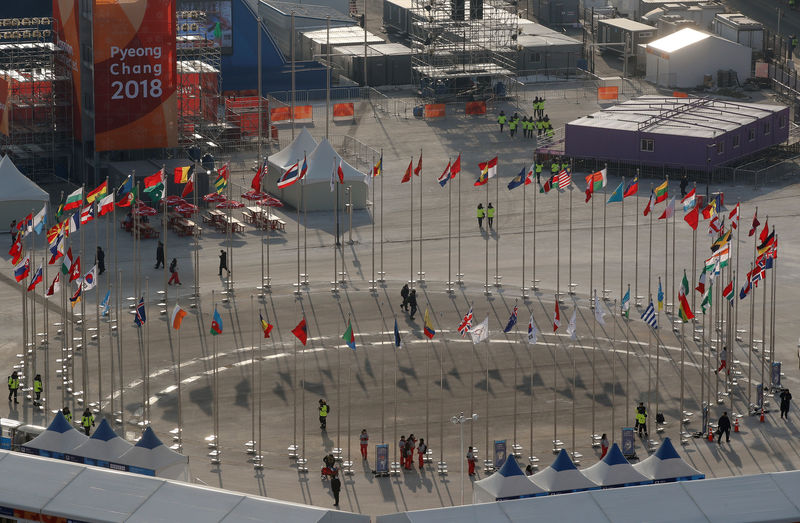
(692,133)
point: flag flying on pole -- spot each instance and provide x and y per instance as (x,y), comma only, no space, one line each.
(544,189)
(766,242)
(140,318)
(429,332)
(25,225)
(625,306)
(40,220)
(649,315)
(556,318)
(99,192)
(685,310)
(154,179)
(407,175)
(303,168)
(333,183)
(265,326)
(599,315)
(531,331)
(221,181)
(650,204)
(66,263)
(54,287)
(289,177)
(733,216)
(55,230)
(523,178)
(129,198)
(177,317)
(396,335)
(710,210)
(720,242)
(692,218)
(105,305)
(715,226)
(126,187)
(76,298)
(480,332)
(488,171)
(617,195)
(74,200)
(720,257)
(466,324)
(690,200)
(572,326)
(87,214)
(445,177)
(106,204)
(756,223)
(418,168)
(301,331)
(36,279)
(188,188)
(632,188)
(182,174)
(597,180)
(377,169)
(706,302)
(512,320)
(90,279)
(75,269)
(728,292)
(340,172)
(349,337)
(661,192)
(22,270)
(258,177)
(154,186)
(216,323)
(563,179)
(745,289)
(669,210)
(762,237)
(701,282)
(660,295)
(60,208)
(16,251)
(456,167)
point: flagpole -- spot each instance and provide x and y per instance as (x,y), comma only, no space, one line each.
(305,226)
(459,274)
(487,462)
(258,459)
(146,377)
(497,276)
(681,432)
(558,243)
(113,226)
(180,395)
(395,464)
(442,464)
(381,273)
(763,333)
(97,311)
(251,445)
(298,288)
(555,384)
(605,205)
(420,274)
(486,290)
(119,353)
(164,234)
(694,249)
(532,457)
(411,229)
(666,249)
(534,286)
(658,364)
(196,254)
(449,232)
(621,252)
(736,271)
(591,242)
(672,292)
(636,247)
(84,367)
(335,281)
(650,257)
(216,459)
(372,286)
(569,275)
(523,289)
(614,368)
(625,319)
(574,453)
(750,345)
(427,388)
(594,373)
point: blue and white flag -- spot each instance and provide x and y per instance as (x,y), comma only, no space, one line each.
(649,315)
(512,320)
(106,304)
(532,331)
(626,303)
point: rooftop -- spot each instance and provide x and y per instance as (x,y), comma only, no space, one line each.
(627,24)
(678,40)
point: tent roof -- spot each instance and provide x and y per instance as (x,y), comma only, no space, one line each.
(614,470)
(60,436)
(508,482)
(510,467)
(562,476)
(150,453)
(104,445)
(17,186)
(18,493)
(302,144)
(666,464)
(323,160)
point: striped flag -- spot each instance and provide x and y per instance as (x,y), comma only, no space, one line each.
(177,317)
(466,324)
(563,179)
(649,315)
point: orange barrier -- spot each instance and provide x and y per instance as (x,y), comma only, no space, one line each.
(345,111)
(434,110)
(679,94)
(476,108)
(303,113)
(608,93)
(279,114)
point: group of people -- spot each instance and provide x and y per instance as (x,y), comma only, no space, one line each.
(173,265)
(409,300)
(542,125)
(407,446)
(487,213)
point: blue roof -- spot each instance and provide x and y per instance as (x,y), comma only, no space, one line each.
(59,424)
(563,462)
(510,467)
(104,432)
(149,440)
(666,450)
(614,456)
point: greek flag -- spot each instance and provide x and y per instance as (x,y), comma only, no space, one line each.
(649,316)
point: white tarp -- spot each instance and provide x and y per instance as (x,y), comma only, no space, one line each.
(59,438)
(507,483)
(303,144)
(615,471)
(20,195)
(562,476)
(28,483)
(104,445)
(667,465)
(150,454)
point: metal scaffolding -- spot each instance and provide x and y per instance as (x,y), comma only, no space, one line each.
(39,104)
(463,49)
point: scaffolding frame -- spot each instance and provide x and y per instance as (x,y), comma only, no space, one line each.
(40,101)
(462,48)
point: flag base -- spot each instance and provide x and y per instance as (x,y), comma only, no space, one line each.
(535,285)
(381,276)
(460,278)
(572,288)
(497,282)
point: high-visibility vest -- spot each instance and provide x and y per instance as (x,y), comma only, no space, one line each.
(68,415)
(323,411)
(540,124)
(87,421)
(539,167)
(641,418)
(13,383)
(37,386)
(491,212)
(554,167)
(565,165)
(481,212)
(512,125)
(501,118)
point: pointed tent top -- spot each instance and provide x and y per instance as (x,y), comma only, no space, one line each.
(17,186)
(510,467)
(614,456)
(104,432)
(666,450)
(59,424)
(149,440)
(563,462)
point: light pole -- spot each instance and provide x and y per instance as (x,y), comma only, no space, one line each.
(460,420)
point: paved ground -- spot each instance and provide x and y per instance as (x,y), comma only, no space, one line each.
(418,388)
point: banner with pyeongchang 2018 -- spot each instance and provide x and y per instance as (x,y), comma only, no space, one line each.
(135,74)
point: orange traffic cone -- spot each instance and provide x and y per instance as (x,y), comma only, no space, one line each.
(736,424)
(710,434)
(762,416)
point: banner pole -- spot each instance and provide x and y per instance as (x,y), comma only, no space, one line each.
(487,462)
(603,291)
(497,276)
(614,372)
(486,290)
(411,230)
(650,256)
(420,274)
(555,397)
(621,252)
(596,304)
(119,354)
(523,289)
(381,273)
(591,241)
(449,286)
(372,282)
(534,286)
(459,274)
(570,283)
(636,246)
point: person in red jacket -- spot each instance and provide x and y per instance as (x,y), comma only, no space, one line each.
(410,444)
(364,438)
(422,448)
(471,461)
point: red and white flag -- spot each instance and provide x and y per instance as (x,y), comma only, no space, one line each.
(340,172)
(106,204)
(650,204)
(556,318)
(734,216)
(466,324)
(755,225)
(456,167)
(669,210)
(54,287)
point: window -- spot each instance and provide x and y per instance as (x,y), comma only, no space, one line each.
(736,141)
(720,147)
(782,121)
(767,128)
(536,58)
(751,134)
(647,145)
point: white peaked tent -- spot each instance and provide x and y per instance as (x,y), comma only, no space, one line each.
(59,438)
(507,483)
(20,195)
(615,471)
(667,465)
(563,476)
(151,455)
(103,446)
(303,144)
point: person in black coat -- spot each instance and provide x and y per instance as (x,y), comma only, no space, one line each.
(336,487)
(786,397)
(724,426)
(404,294)
(684,185)
(100,260)
(412,301)
(159,255)
(223,262)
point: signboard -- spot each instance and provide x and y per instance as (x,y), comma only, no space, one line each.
(65,14)
(628,445)
(216,28)
(381,459)
(762,70)
(499,453)
(135,74)
(776,375)
(4,88)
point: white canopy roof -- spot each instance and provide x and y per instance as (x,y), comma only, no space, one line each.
(667,465)
(302,144)
(323,160)
(507,483)
(104,445)
(60,437)
(149,453)
(562,476)
(18,187)
(614,471)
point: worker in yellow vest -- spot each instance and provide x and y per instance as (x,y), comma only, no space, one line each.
(501,119)
(481,215)
(13,386)
(37,389)
(490,214)
(87,420)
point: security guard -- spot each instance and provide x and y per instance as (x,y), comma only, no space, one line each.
(539,167)
(490,214)
(324,409)
(13,386)
(481,215)
(502,120)
(529,125)
(524,125)
(541,106)
(37,388)
(564,164)
(87,420)
(535,105)
(548,127)
(554,166)
(67,414)
(512,125)
(641,419)
(539,126)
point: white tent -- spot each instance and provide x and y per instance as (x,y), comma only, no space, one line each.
(20,195)
(667,465)
(303,144)
(615,471)
(59,439)
(507,483)
(150,456)
(562,476)
(104,446)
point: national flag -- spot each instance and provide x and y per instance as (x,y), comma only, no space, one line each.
(340,172)
(445,177)
(377,169)
(428,329)
(74,223)
(766,243)
(685,311)
(126,187)
(75,269)
(597,180)
(512,320)
(690,200)
(76,298)
(764,232)
(745,289)
(74,199)
(301,331)
(99,192)
(733,216)
(466,324)
(90,279)
(54,287)
(705,304)
(216,323)
(456,167)
(616,196)
(563,179)
(40,220)
(418,168)
(333,183)
(289,177)
(632,188)
(660,296)
(523,178)
(488,171)
(728,292)
(710,209)
(22,270)
(154,179)
(189,187)
(25,225)
(303,168)
(106,204)
(140,318)
(87,214)
(532,331)
(129,198)
(720,257)
(66,263)
(224,171)
(265,325)
(480,332)
(756,223)
(701,282)
(155,186)
(258,177)
(661,192)
(406,176)
(182,174)
(649,315)
(349,337)
(36,279)
(16,250)
(572,326)
(177,317)
(556,318)
(650,204)
(715,226)
(60,208)
(692,218)
(544,189)
(55,230)
(396,335)
(221,182)
(669,210)
(625,306)
(716,271)
(721,241)
(599,315)
(105,305)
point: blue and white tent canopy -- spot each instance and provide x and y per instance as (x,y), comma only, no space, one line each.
(563,476)
(152,455)
(104,445)
(615,471)
(667,465)
(59,438)
(510,482)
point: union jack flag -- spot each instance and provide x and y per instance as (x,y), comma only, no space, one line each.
(466,324)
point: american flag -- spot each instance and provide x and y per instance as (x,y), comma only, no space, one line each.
(563,179)
(466,324)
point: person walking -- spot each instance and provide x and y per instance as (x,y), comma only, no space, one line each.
(336,486)
(603,446)
(13,386)
(404,294)
(786,398)
(324,410)
(12,231)
(412,302)
(364,439)
(641,419)
(724,426)
(471,461)
(512,125)
(37,389)
(723,359)
(173,271)
(490,214)
(159,255)
(100,260)
(402,446)
(67,414)
(411,443)
(501,120)
(684,185)
(481,215)
(87,420)
(223,262)
(422,449)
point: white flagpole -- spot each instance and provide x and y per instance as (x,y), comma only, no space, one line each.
(650,257)
(614,371)
(591,241)
(570,283)
(459,274)
(449,285)
(381,273)
(523,289)
(486,290)
(420,273)
(372,283)
(497,276)
(411,228)
(534,286)
(636,246)
(604,290)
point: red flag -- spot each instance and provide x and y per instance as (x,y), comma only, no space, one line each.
(756,223)
(734,216)
(301,332)
(16,250)
(407,175)
(75,269)
(456,167)
(188,188)
(692,218)
(764,232)
(154,179)
(589,192)
(418,169)
(556,318)
(650,203)
(340,172)
(259,176)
